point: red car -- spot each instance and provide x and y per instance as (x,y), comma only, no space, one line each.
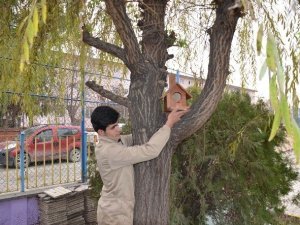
(44,142)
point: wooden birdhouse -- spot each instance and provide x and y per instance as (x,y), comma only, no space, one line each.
(176,95)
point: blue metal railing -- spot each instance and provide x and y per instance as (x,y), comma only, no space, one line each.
(22,167)
(19,176)
(84,157)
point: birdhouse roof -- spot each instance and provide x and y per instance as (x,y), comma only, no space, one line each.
(188,96)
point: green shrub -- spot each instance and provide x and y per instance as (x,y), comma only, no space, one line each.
(228,172)
(94,178)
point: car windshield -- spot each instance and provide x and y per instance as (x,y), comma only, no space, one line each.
(30,131)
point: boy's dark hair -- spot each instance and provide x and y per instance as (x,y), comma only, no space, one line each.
(103,116)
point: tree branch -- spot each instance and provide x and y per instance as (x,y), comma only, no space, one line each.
(103,46)
(107,94)
(117,11)
(221,35)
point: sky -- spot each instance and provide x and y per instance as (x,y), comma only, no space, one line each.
(262,86)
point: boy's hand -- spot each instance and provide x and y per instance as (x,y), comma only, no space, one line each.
(175,115)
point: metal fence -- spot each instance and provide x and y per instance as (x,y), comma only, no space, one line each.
(40,161)
(50,160)
(72,104)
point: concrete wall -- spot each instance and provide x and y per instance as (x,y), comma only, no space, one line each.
(19,211)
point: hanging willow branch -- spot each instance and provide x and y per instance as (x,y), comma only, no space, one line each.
(31,29)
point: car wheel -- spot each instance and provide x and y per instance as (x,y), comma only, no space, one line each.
(27,160)
(75,155)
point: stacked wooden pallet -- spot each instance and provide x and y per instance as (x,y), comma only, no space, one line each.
(52,211)
(90,209)
(73,206)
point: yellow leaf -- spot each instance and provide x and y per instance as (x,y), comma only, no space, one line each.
(44,10)
(35,20)
(275,125)
(26,51)
(30,33)
(259,39)
(271,62)
(22,65)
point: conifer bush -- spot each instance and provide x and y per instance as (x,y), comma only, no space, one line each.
(228,172)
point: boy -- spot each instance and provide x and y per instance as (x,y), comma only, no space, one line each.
(115,158)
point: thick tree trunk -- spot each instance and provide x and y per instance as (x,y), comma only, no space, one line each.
(152,190)
(152,178)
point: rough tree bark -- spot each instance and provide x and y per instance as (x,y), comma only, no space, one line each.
(146,62)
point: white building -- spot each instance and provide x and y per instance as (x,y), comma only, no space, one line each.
(187,81)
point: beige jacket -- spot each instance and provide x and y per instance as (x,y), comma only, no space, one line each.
(115,162)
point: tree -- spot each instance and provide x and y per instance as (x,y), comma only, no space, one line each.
(10,115)
(146,62)
(144,51)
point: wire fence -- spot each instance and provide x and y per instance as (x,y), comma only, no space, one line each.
(43,156)
(50,152)
(46,158)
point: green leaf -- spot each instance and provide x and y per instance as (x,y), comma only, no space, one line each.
(182,43)
(296,139)
(275,104)
(44,10)
(271,62)
(274,93)
(263,70)
(280,77)
(259,39)
(284,107)
(35,20)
